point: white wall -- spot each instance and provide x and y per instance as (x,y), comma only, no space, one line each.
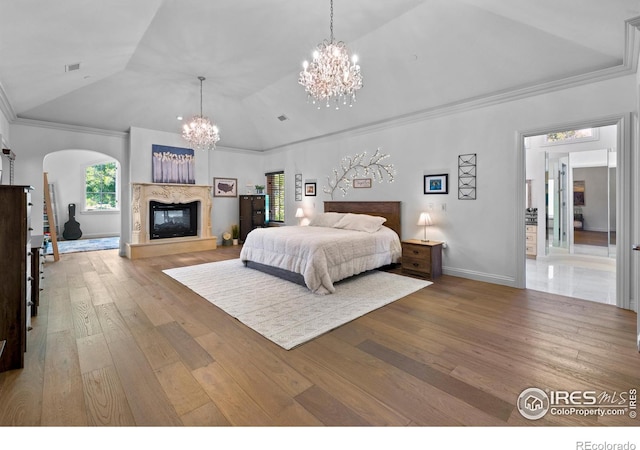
(481,234)
(4,143)
(245,165)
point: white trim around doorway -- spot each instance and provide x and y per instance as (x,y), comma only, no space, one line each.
(623,201)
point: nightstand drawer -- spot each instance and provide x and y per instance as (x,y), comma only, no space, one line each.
(531,229)
(531,238)
(416,251)
(415,264)
(422,258)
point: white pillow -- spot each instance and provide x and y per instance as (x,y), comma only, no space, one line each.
(328,219)
(360,222)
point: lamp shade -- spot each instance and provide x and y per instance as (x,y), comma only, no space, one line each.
(299,213)
(425,219)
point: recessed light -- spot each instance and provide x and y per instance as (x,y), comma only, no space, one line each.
(179,117)
(282,118)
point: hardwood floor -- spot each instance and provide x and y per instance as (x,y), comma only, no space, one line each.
(118,343)
(597,238)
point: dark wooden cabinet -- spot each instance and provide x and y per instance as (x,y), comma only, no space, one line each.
(15,273)
(37,271)
(252,214)
(422,258)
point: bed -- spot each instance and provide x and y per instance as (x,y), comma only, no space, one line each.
(347,239)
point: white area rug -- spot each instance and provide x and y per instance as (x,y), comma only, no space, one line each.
(287,313)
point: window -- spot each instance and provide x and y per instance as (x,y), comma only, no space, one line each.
(569,136)
(101,187)
(275,192)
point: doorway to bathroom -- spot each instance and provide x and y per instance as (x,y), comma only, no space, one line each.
(572,178)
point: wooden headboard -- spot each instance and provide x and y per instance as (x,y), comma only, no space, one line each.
(388,210)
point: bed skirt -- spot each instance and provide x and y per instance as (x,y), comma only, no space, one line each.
(277,272)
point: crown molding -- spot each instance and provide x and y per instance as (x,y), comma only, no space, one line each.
(632,43)
(472,103)
(5,105)
(72,128)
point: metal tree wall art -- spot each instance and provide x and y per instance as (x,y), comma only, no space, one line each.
(358,166)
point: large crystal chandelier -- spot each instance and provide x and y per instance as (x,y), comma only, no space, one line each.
(199,131)
(332,76)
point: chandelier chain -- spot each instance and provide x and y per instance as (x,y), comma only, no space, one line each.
(331,21)
(201,80)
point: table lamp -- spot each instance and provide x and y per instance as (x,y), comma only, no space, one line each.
(425,220)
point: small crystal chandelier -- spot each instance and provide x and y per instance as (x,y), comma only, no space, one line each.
(332,75)
(199,131)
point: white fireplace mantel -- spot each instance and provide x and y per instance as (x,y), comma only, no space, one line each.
(143,193)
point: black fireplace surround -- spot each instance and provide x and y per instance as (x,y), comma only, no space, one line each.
(169,220)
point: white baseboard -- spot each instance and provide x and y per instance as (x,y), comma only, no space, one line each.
(480,276)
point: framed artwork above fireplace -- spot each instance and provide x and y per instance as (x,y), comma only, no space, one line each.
(172,165)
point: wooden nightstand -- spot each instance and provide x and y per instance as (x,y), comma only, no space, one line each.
(422,258)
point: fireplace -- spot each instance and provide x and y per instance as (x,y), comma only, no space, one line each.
(170,220)
(182,212)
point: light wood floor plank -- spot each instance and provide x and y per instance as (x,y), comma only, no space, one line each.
(189,349)
(156,348)
(366,406)
(105,399)
(63,399)
(184,392)
(147,400)
(85,319)
(259,385)
(208,415)
(237,406)
(93,353)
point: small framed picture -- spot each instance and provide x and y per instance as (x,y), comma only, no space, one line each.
(436,184)
(225,187)
(362,183)
(310,189)
(298,187)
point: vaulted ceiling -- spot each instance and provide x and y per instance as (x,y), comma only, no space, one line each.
(139,60)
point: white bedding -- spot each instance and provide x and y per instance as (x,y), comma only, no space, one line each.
(322,255)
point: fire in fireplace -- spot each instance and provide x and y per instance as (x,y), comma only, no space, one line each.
(169,220)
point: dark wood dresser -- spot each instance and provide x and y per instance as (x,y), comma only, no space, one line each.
(252,214)
(15,273)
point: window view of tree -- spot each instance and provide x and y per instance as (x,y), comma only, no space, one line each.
(101,187)
(275,192)
(569,135)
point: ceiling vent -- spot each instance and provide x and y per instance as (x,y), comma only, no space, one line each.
(72,67)
(282,118)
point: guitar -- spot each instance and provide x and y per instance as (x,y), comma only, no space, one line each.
(72,228)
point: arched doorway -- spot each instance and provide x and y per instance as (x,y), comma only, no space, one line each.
(71,176)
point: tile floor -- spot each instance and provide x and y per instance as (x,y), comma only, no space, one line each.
(587,274)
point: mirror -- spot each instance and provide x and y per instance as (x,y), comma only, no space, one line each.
(556,210)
